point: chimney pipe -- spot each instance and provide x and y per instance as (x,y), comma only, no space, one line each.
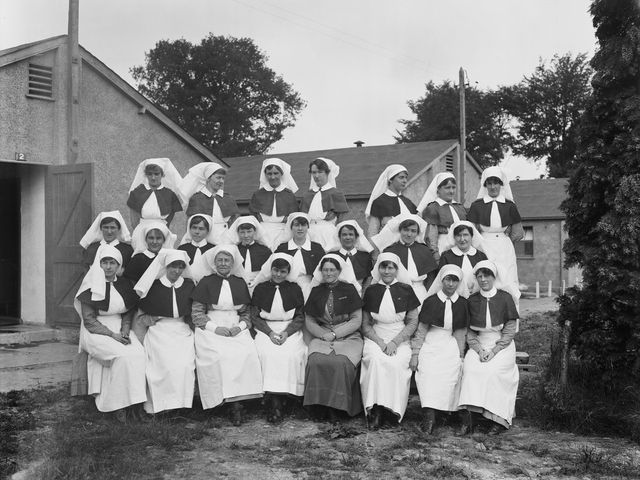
(358,143)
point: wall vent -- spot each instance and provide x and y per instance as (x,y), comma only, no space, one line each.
(40,81)
(448,162)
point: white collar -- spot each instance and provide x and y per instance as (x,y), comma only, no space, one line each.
(149,253)
(472,251)
(208,192)
(381,282)
(442,202)
(246,245)
(317,189)
(294,246)
(167,283)
(490,293)
(500,198)
(443,297)
(391,193)
(149,188)
(201,243)
(353,251)
(279,188)
(407,244)
(113,243)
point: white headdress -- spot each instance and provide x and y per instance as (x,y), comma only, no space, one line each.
(171,177)
(498,173)
(250,219)
(449,269)
(139,242)
(94,233)
(186,238)
(346,273)
(402,274)
(334,171)
(361,242)
(476,239)
(208,266)
(265,272)
(382,184)
(197,178)
(431,193)
(94,280)
(497,270)
(158,269)
(286,180)
(391,231)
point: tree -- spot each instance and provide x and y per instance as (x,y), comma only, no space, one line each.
(221,91)
(438,118)
(547,107)
(603,206)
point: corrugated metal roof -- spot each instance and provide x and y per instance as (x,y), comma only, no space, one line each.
(359,166)
(540,199)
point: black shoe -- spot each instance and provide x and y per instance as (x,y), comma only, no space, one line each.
(428,421)
(467,424)
(236,414)
(375,418)
(121,416)
(332,415)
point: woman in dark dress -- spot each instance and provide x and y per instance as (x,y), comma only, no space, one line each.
(156,236)
(108,228)
(355,249)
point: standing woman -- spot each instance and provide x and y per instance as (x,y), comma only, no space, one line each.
(306,254)
(438,346)
(355,249)
(196,241)
(466,250)
(108,228)
(490,374)
(404,236)
(156,236)
(498,219)
(247,233)
(152,194)
(116,364)
(204,187)
(274,200)
(440,210)
(278,318)
(162,326)
(389,318)
(333,317)
(324,203)
(227,361)
(386,200)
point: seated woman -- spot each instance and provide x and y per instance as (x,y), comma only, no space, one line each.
(439,209)
(162,326)
(333,317)
(438,346)
(498,219)
(204,187)
(277,317)
(389,318)
(355,249)
(116,363)
(466,250)
(386,200)
(490,374)
(156,236)
(107,229)
(274,200)
(324,203)
(227,362)
(247,233)
(404,236)
(152,193)
(306,254)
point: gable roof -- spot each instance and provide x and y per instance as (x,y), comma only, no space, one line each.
(540,199)
(359,167)
(22,52)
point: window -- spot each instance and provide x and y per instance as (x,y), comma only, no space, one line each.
(40,81)
(524,248)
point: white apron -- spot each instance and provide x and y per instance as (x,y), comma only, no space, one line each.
(115,371)
(439,370)
(491,385)
(443,242)
(320,230)
(227,367)
(273,230)
(385,379)
(499,249)
(171,363)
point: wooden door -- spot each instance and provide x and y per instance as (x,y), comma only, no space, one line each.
(69,190)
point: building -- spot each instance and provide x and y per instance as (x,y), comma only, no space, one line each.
(360,168)
(539,255)
(72,133)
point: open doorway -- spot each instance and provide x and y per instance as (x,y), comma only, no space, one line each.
(10,244)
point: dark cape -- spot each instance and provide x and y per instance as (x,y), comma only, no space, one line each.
(200,203)
(480,213)
(208,290)
(311,258)
(89,255)
(123,286)
(432,312)
(422,256)
(137,266)
(403,296)
(159,299)
(449,258)
(388,206)
(290,292)
(262,202)
(436,214)
(345,299)
(191,250)
(362,263)
(332,199)
(501,308)
(167,200)
(259,255)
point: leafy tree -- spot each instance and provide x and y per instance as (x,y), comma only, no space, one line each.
(603,206)
(221,91)
(438,118)
(547,107)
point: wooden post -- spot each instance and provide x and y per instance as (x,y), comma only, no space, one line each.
(537,289)
(549,291)
(564,358)
(564,286)
(463,140)
(73,64)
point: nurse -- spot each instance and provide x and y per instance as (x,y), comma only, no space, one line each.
(156,236)
(248,235)
(355,249)
(108,228)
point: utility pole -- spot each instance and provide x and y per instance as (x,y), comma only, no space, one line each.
(463,139)
(73,65)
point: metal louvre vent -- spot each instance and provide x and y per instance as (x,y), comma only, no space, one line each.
(40,81)
(448,162)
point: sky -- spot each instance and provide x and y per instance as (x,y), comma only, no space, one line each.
(356,63)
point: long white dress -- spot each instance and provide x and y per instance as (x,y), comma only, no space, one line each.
(116,372)
(320,230)
(228,368)
(385,379)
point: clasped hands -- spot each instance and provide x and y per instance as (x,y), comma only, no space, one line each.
(278,338)
(486,355)
(228,332)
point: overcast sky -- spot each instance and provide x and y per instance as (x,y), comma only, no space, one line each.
(355,62)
